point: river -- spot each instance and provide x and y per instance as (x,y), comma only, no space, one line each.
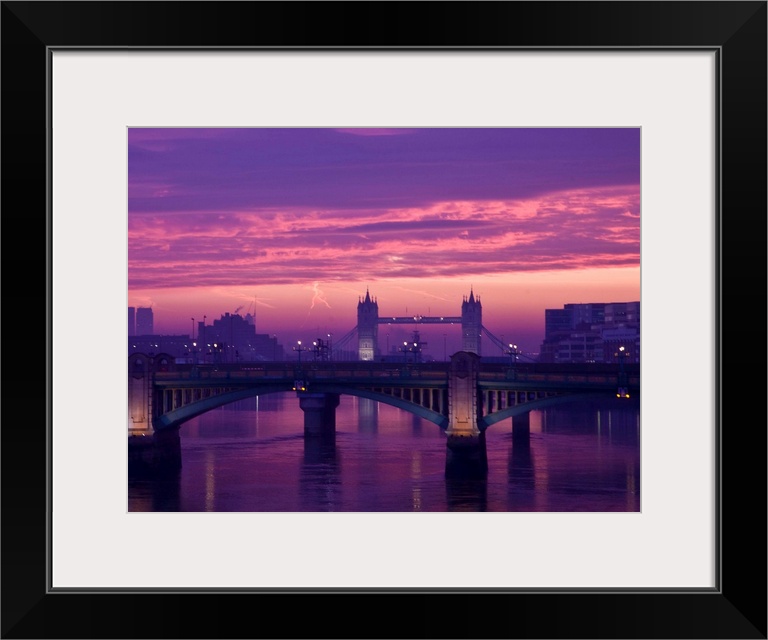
(252,457)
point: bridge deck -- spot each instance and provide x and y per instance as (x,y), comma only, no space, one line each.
(424,374)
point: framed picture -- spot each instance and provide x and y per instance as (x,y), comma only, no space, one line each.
(691,76)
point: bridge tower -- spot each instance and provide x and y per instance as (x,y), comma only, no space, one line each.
(367,327)
(466,454)
(471,323)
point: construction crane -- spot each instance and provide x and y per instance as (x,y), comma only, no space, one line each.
(234,313)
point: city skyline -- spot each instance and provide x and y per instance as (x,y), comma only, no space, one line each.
(294,225)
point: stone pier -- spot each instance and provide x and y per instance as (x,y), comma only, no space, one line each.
(319,413)
(466,453)
(156,453)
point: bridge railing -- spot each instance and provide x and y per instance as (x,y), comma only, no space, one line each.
(336,371)
(434,371)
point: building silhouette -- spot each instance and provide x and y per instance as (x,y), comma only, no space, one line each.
(131,321)
(591,332)
(229,339)
(367,327)
(233,338)
(145,322)
(471,323)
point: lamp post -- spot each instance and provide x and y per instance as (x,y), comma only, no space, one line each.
(330,347)
(192,342)
(299,349)
(404,349)
(623,391)
(205,346)
(513,355)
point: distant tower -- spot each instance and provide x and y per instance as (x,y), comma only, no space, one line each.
(367,327)
(471,323)
(145,324)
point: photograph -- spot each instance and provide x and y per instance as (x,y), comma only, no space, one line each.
(399,319)
(383,265)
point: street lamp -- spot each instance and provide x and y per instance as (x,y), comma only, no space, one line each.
(513,355)
(192,341)
(623,391)
(299,349)
(404,349)
(205,346)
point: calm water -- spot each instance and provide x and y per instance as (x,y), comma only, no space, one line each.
(252,457)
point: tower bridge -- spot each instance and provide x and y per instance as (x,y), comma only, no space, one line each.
(368,321)
(463,397)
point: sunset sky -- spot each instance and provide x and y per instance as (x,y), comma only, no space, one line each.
(294,224)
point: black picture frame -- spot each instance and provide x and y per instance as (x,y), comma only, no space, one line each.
(736,608)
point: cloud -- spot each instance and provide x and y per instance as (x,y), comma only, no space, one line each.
(571,230)
(233,169)
(236,207)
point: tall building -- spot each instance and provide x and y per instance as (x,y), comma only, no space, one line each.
(590,313)
(145,324)
(232,338)
(471,323)
(622,314)
(131,321)
(557,322)
(367,327)
(591,332)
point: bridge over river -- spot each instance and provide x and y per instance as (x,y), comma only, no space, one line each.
(464,396)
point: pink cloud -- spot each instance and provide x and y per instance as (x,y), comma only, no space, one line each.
(567,230)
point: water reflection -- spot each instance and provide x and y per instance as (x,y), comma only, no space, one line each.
(319,480)
(156,494)
(520,465)
(254,457)
(466,494)
(367,415)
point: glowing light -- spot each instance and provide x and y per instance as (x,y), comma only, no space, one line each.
(318,295)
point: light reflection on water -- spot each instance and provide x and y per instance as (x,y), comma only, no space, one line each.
(252,457)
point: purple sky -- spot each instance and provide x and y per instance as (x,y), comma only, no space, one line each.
(294,224)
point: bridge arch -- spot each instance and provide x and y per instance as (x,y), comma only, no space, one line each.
(177,417)
(428,414)
(541,403)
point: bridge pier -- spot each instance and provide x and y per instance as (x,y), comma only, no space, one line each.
(158,453)
(466,457)
(319,413)
(466,452)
